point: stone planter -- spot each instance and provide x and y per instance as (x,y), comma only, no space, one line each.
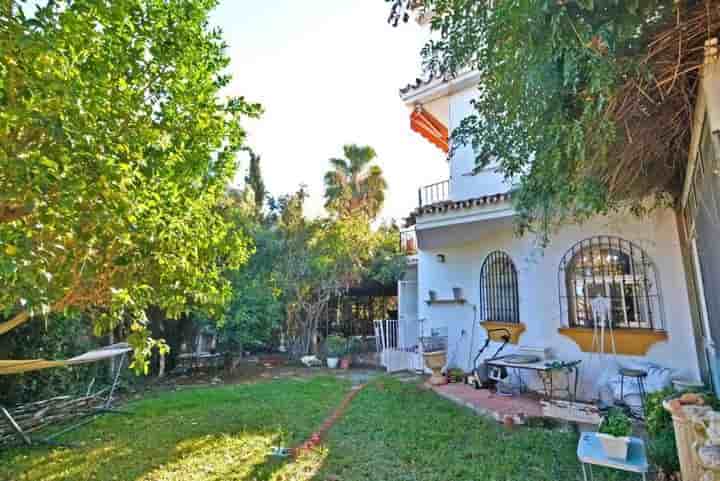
(615,447)
(332,362)
(435,361)
(687,437)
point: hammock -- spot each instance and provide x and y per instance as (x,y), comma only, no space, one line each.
(17,367)
(108,352)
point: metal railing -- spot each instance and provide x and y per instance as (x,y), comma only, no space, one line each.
(408,242)
(437,192)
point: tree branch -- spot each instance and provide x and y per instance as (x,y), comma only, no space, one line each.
(10,213)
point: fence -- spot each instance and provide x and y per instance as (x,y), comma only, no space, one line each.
(397,345)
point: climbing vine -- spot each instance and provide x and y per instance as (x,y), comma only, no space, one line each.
(586,105)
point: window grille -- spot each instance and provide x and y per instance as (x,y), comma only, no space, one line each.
(499,299)
(614,268)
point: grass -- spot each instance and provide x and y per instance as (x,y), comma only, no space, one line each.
(392,431)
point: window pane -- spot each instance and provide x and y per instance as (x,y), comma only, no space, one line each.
(613,268)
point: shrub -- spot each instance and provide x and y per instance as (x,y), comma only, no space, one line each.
(661,444)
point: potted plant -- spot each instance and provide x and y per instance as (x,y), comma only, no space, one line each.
(353,346)
(455,374)
(335,347)
(457,293)
(614,434)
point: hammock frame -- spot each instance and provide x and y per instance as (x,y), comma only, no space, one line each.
(109,352)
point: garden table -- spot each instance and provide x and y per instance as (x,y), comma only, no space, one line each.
(544,369)
(590,451)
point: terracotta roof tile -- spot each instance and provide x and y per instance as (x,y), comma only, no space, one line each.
(455,205)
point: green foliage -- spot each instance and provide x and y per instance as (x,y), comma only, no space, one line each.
(662,450)
(354,186)
(254,180)
(616,423)
(657,418)
(116,148)
(550,70)
(661,433)
(336,346)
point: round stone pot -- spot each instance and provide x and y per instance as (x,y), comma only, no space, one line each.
(435,361)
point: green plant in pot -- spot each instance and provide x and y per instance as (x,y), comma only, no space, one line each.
(614,434)
(335,348)
(455,374)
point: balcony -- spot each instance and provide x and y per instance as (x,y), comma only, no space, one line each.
(433,193)
(408,242)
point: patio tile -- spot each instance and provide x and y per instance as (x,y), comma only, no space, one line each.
(488,403)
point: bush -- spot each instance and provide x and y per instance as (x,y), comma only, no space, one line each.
(663,451)
(661,445)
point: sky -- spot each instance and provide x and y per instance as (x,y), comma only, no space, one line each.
(327,73)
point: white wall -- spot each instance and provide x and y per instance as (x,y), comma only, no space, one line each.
(464,185)
(538,288)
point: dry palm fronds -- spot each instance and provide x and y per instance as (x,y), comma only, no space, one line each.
(655,109)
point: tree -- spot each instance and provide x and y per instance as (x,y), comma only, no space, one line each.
(587,106)
(354,185)
(254,180)
(115,153)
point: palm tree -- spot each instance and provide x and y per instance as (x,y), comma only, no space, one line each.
(353,185)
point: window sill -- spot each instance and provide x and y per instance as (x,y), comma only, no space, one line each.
(515,328)
(631,342)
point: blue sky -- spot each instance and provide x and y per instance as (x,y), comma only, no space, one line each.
(328,73)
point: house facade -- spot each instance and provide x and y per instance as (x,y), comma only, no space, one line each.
(469,272)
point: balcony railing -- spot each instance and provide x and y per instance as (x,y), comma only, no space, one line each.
(433,193)
(408,242)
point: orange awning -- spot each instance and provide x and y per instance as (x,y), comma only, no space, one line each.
(427,125)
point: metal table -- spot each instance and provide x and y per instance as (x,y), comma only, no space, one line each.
(544,370)
(590,452)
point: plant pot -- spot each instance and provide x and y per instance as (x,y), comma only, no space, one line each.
(435,361)
(615,447)
(332,362)
(345,363)
(457,293)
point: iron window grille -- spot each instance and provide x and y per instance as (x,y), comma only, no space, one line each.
(499,300)
(613,268)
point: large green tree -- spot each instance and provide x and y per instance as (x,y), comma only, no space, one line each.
(354,185)
(586,105)
(116,148)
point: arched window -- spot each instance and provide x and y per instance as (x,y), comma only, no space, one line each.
(616,269)
(499,289)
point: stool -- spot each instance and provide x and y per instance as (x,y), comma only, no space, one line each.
(639,375)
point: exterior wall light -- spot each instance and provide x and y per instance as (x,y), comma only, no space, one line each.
(440,258)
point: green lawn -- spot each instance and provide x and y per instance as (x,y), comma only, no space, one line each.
(392,432)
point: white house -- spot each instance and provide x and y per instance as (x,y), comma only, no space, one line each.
(470,272)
